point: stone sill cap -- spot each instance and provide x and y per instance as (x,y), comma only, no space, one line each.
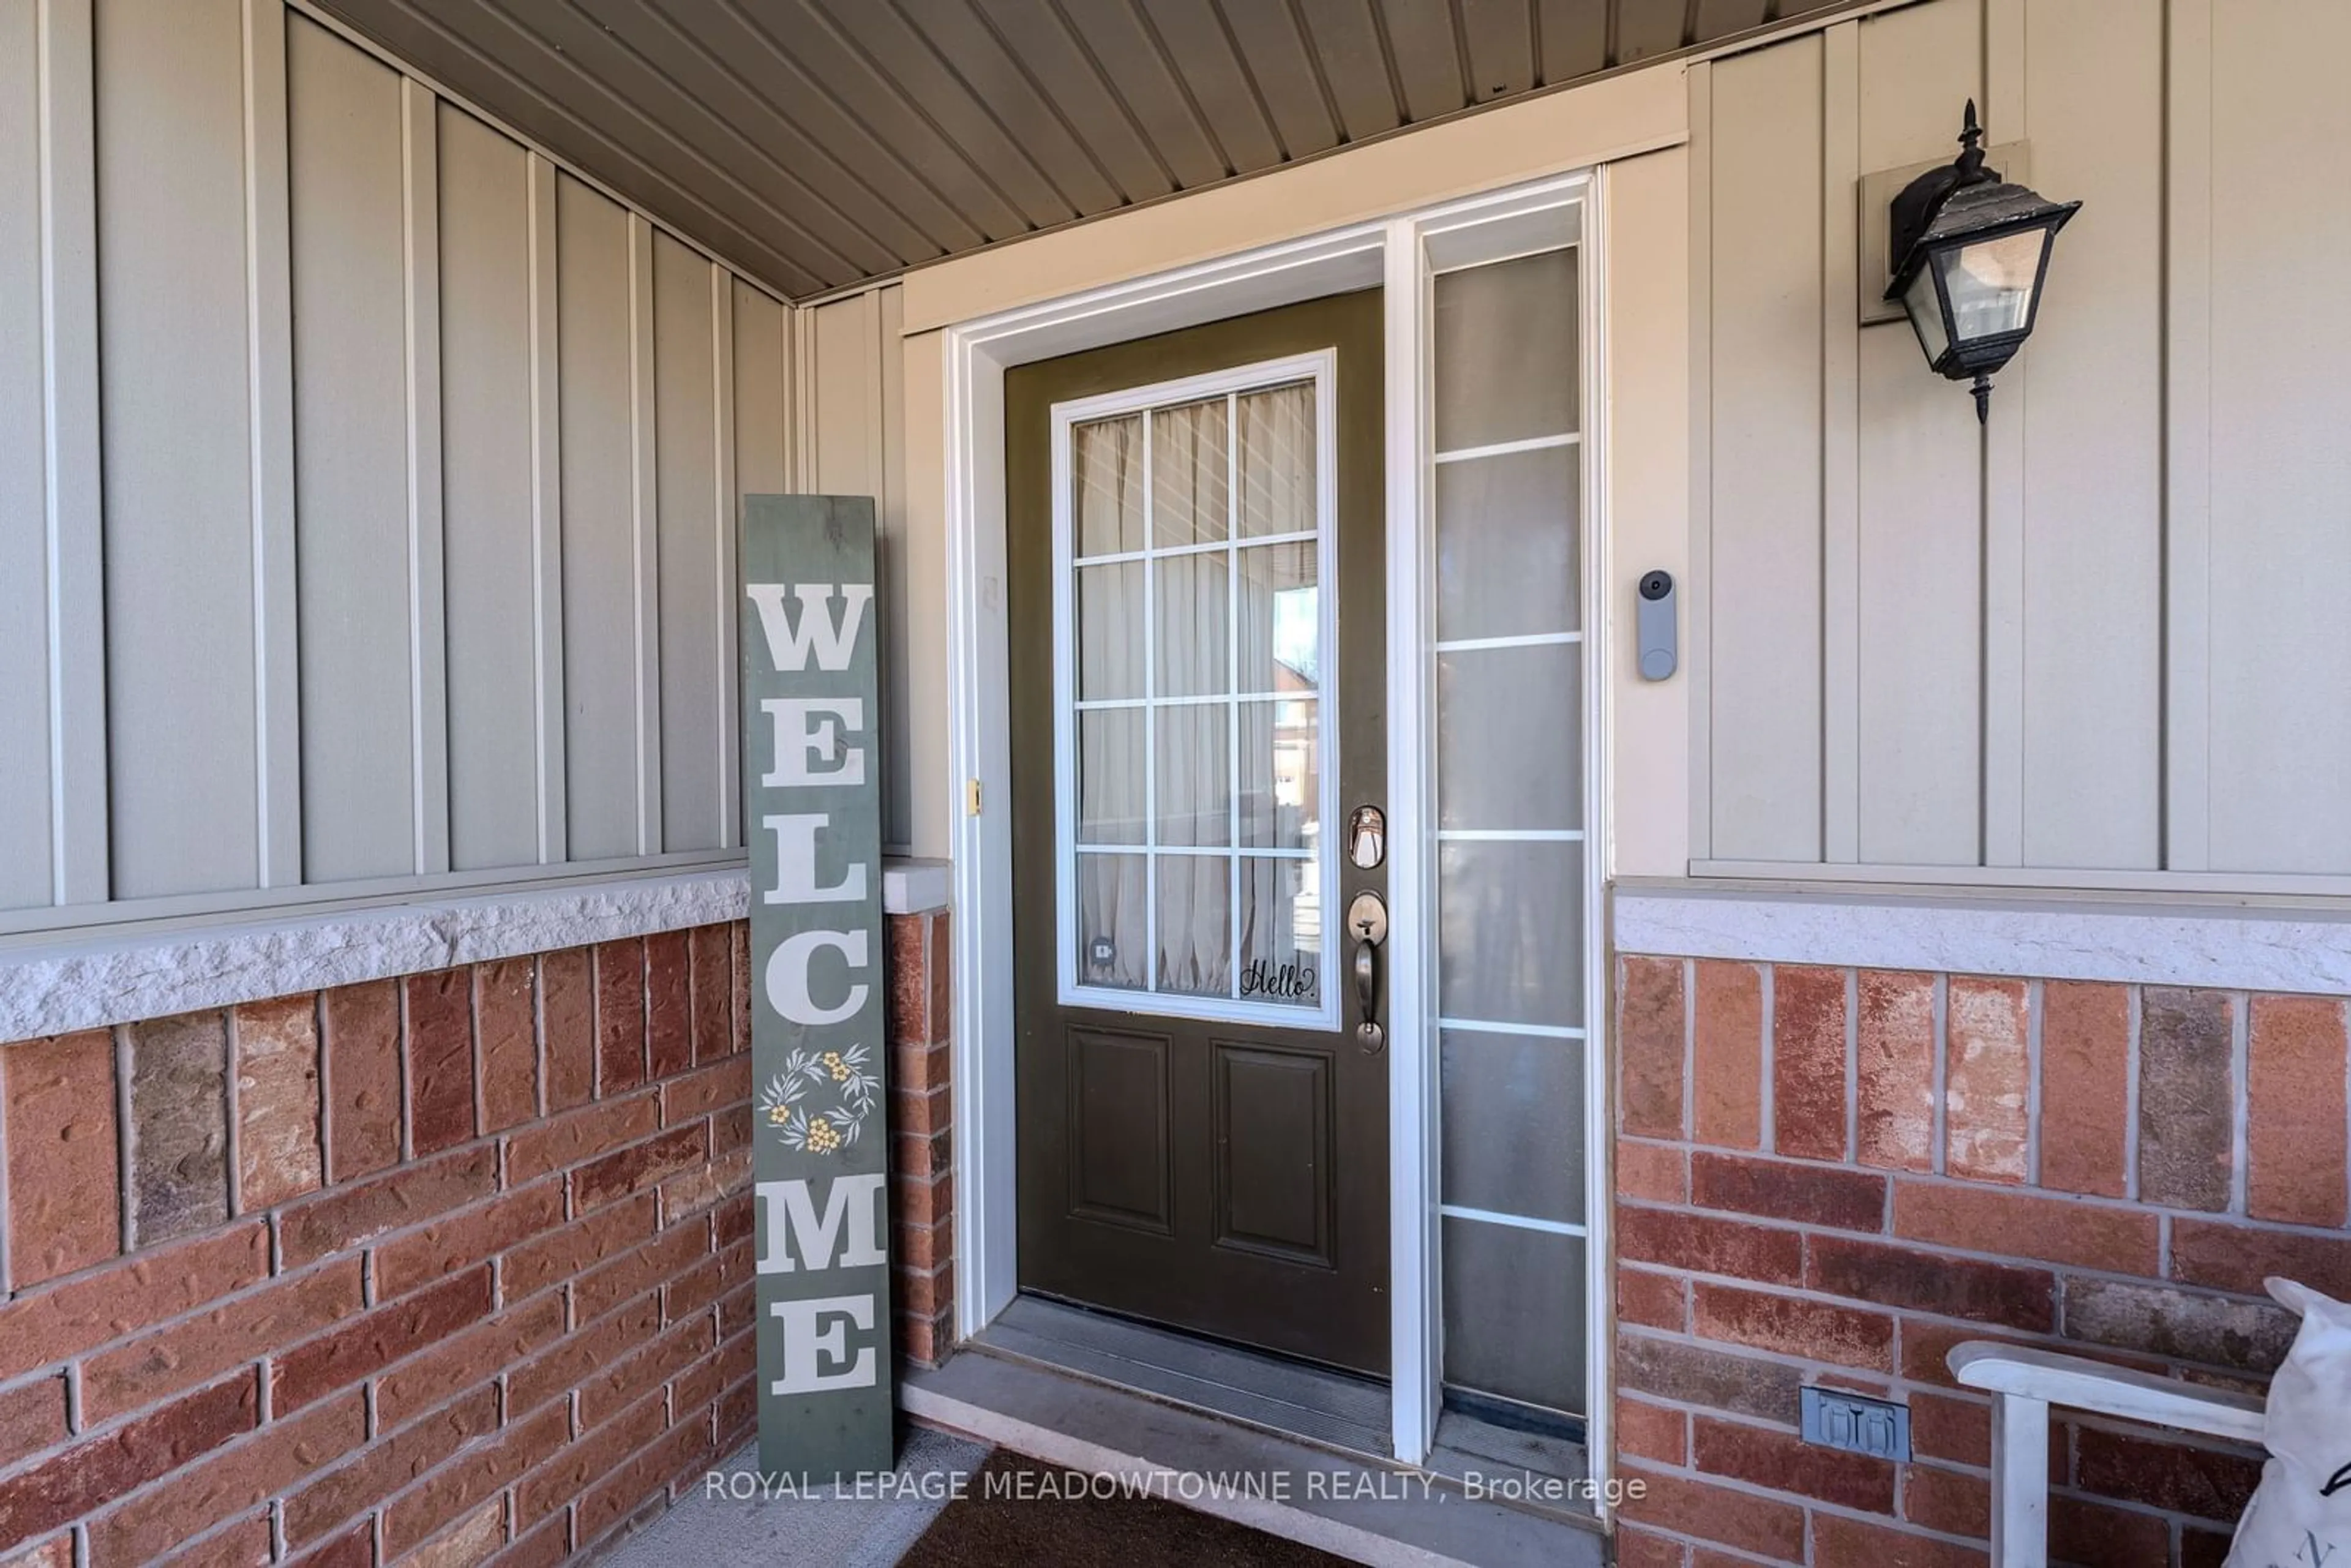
(93,980)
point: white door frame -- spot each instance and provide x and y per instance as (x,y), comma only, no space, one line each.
(1396,254)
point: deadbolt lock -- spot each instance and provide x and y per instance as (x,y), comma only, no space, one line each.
(1367,837)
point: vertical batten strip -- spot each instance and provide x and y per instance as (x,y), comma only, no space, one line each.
(547,516)
(1699,620)
(1841,445)
(2001,803)
(644,520)
(904,737)
(2188,440)
(269,380)
(889,558)
(419,144)
(723,595)
(80,872)
(801,346)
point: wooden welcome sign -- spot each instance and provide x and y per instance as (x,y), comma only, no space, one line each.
(811,794)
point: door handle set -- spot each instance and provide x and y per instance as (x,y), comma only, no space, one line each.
(1367,919)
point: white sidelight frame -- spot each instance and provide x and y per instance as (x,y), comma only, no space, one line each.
(1398,254)
(1319,371)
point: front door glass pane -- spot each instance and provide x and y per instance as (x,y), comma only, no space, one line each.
(1107,499)
(1111,892)
(1110,776)
(1193,600)
(1110,641)
(1197,662)
(1191,468)
(1279,480)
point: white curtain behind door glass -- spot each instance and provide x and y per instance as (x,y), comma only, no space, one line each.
(1108,461)
(1191,503)
(1194,607)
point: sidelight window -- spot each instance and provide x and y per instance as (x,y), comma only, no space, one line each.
(1508,657)
(1193,634)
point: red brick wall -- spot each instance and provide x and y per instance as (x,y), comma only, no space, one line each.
(1831,1177)
(922,1179)
(447,1269)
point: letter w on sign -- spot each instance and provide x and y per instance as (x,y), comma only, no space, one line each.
(819,1049)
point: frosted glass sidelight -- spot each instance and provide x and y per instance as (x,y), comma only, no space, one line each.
(1508,666)
(1506,555)
(1513,1129)
(1509,738)
(1509,932)
(1514,1317)
(1506,348)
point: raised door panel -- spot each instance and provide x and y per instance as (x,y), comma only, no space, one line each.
(1121,1165)
(1272,1127)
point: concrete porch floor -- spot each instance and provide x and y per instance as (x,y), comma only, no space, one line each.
(980,1401)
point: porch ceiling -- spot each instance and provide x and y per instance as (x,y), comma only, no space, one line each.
(821,142)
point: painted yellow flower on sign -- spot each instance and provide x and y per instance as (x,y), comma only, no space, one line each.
(835,1127)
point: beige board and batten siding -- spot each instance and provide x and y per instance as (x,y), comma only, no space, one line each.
(2100,640)
(849,371)
(410,458)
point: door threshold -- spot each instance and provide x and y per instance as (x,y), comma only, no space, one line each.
(1287,1398)
(1360,1507)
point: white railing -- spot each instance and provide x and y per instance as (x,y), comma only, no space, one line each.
(2026,1383)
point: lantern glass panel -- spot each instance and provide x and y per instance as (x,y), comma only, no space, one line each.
(1990,282)
(1927,315)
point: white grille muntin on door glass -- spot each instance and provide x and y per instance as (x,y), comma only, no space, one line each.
(1194,637)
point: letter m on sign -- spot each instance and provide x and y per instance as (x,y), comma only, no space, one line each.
(820,1050)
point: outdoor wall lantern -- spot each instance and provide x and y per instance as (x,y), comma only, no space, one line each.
(1971,252)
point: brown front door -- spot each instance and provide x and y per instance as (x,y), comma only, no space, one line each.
(1198,663)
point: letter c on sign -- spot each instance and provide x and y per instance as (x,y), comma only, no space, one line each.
(787,976)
